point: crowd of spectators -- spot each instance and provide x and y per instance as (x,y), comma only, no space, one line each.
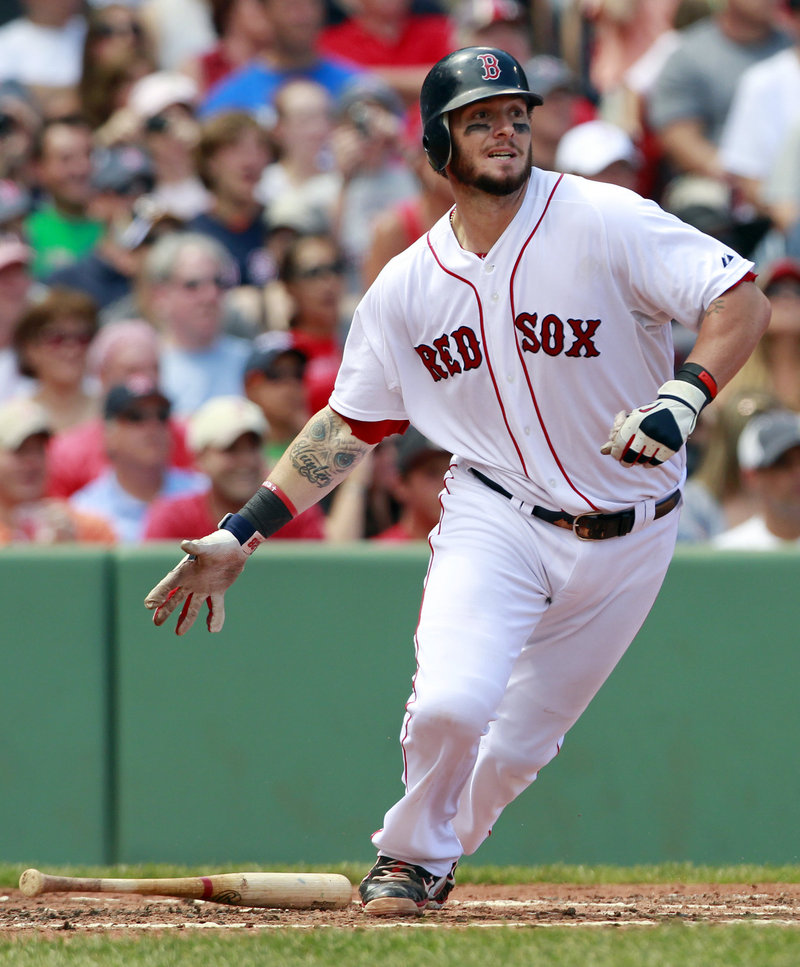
(194,195)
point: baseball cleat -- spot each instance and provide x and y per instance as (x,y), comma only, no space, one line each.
(395,888)
(443,889)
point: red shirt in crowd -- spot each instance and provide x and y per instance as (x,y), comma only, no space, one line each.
(190,517)
(425,39)
(76,456)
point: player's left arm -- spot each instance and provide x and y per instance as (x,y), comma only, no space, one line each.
(729,332)
(322,455)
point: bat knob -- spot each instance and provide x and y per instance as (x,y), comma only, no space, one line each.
(31,883)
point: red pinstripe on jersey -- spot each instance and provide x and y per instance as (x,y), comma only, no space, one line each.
(485,351)
(549,442)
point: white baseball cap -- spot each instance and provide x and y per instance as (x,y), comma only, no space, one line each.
(766,437)
(13,251)
(222,420)
(155,92)
(589,148)
(21,418)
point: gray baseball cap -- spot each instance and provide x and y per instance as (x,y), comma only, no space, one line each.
(766,437)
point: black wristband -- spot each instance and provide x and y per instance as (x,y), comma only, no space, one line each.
(266,512)
(697,376)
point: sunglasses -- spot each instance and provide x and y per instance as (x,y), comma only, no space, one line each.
(104,31)
(60,337)
(145,416)
(281,375)
(317,271)
(192,285)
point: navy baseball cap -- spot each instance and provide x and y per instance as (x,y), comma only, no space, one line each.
(123,396)
(766,437)
(268,348)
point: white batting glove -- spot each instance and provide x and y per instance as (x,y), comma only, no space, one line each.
(210,567)
(652,434)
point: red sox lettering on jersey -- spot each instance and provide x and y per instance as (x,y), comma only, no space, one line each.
(548,337)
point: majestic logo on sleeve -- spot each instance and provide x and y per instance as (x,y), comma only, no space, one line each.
(491,67)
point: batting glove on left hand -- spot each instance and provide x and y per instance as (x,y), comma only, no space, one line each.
(210,567)
(652,434)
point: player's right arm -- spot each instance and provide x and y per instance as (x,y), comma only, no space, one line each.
(320,457)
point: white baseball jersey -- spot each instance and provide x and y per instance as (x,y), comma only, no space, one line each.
(518,361)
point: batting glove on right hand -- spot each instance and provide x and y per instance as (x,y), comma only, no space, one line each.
(210,567)
(652,434)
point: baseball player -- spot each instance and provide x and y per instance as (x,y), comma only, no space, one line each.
(532,318)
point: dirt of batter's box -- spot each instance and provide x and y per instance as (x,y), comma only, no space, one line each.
(535,904)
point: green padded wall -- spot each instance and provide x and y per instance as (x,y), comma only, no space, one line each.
(54,733)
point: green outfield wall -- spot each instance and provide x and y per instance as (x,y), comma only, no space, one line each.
(276,741)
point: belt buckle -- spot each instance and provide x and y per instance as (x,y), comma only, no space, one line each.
(579,521)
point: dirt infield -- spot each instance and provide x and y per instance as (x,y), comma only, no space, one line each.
(537,904)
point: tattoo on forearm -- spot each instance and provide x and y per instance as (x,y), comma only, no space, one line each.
(716,306)
(325,450)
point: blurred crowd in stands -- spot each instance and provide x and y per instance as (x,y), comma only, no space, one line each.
(194,195)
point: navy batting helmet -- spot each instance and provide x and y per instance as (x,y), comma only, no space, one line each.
(466,75)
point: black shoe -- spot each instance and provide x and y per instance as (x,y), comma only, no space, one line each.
(445,888)
(395,888)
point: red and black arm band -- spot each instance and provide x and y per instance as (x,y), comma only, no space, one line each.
(265,513)
(699,377)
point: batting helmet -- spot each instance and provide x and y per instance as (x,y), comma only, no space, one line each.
(466,75)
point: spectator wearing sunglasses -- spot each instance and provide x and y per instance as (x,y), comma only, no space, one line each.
(137,444)
(159,116)
(51,341)
(313,273)
(116,45)
(274,380)
(120,351)
(187,275)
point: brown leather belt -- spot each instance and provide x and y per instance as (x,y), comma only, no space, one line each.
(592,526)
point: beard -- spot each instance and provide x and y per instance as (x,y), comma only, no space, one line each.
(500,186)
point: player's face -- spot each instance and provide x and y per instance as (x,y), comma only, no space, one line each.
(491,145)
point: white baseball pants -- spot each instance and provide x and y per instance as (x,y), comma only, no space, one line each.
(521,623)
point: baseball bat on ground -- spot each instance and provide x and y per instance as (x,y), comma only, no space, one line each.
(298,891)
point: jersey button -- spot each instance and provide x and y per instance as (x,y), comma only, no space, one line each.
(488,269)
(495,296)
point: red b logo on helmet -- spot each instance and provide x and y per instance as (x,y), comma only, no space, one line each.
(491,67)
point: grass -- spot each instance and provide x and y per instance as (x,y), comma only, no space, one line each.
(679,944)
(669,946)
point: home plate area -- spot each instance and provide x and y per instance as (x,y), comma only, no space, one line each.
(529,905)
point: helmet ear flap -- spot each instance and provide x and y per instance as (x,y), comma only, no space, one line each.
(436,142)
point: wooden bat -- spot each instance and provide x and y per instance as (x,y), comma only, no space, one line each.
(298,891)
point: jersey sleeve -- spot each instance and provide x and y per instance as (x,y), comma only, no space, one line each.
(672,270)
(367,385)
